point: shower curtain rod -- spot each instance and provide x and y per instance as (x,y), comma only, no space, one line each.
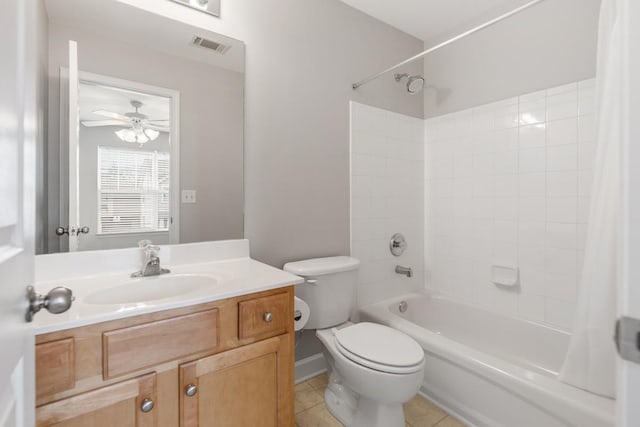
(445,43)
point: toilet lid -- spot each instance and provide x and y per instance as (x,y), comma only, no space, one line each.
(380,347)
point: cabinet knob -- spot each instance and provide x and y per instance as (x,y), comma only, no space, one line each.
(147,405)
(268,317)
(190,390)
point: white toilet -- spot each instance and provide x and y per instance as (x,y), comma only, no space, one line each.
(373,369)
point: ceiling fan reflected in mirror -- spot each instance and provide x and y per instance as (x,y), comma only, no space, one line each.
(140,128)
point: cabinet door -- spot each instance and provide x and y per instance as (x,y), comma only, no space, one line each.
(119,405)
(245,387)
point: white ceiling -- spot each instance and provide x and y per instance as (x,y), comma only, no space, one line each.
(93,97)
(433,20)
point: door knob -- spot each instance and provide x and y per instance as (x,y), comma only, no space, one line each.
(191,390)
(72,230)
(57,301)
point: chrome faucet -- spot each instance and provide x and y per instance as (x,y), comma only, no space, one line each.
(150,260)
(407,271)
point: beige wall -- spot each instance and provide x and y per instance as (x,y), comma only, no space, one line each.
(551,44)
(211,127)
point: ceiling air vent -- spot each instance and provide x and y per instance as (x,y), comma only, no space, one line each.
(209,44)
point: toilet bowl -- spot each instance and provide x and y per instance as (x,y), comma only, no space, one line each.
(370,377)
(373,369)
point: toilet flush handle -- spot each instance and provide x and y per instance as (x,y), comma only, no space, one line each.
(311,281)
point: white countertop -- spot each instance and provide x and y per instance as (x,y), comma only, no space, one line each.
(234,277)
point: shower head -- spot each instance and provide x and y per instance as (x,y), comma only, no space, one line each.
(414,83)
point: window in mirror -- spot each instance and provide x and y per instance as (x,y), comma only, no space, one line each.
(133,191)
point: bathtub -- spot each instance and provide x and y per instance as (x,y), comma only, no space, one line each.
(489,369)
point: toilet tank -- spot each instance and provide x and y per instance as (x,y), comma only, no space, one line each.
(329,288)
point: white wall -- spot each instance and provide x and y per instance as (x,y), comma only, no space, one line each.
(509,183)
(550,44)
(387,152)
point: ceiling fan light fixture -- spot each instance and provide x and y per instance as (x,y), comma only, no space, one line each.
(131,135)
(126,135)
(152,134)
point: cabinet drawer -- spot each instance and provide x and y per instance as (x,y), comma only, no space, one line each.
(130,349)
(114,405)
(264,317)
(55,367)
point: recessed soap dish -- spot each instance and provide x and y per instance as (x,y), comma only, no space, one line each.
(503,275)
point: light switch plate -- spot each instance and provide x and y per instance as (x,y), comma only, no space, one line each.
(188,196)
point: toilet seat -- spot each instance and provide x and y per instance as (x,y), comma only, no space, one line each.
(380,348)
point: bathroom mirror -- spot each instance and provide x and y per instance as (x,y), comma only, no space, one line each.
(144,132)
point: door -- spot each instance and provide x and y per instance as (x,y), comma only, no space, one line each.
(127,404)
(629,291)
(245,387)
(18,121)
(74,167)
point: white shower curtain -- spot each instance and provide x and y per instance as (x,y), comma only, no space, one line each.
(590,361)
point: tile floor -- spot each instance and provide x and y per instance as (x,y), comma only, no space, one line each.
(311,412)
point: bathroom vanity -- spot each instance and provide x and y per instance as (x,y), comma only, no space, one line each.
(222,354)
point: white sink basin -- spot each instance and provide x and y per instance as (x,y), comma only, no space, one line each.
(151,289)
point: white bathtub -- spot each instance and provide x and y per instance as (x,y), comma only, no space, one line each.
(492,370)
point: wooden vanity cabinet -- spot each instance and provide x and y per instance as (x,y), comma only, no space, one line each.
(224,363)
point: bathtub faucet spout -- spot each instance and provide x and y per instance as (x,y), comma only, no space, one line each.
(407,271)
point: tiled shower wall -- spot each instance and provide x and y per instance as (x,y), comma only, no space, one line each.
(387,197)
(509,184)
